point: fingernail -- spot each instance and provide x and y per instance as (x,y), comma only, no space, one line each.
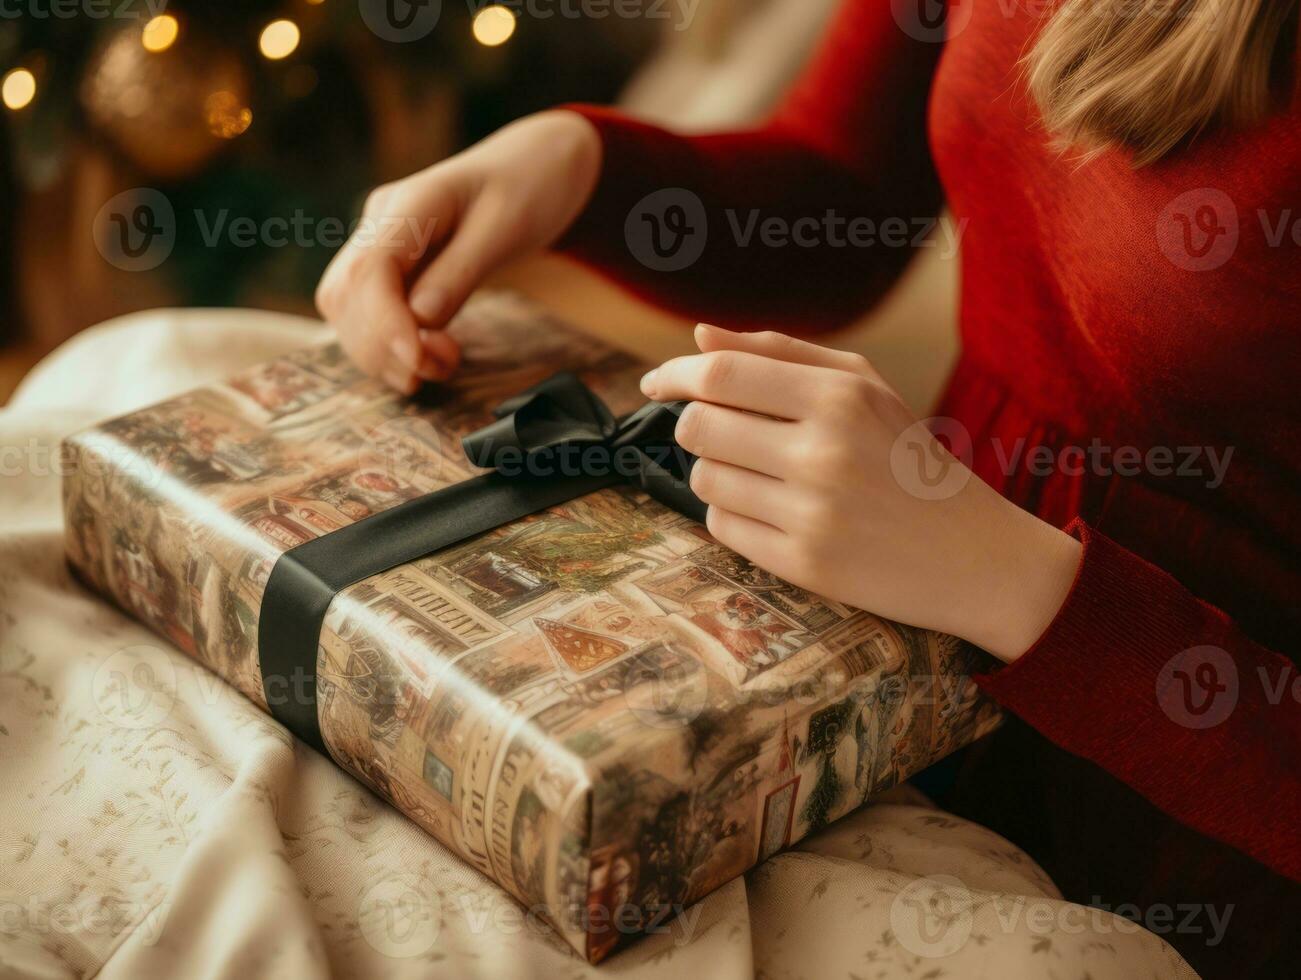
(648,383)
(406,348)
(427,305)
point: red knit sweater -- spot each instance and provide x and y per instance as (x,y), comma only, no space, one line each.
(1102,307)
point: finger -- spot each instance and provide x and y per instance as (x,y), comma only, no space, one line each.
(740,491)
(383,338)
(442,348)
(400,225)
(739,379)
(363,294)
(783,348)
(724,434)
(481,243)
(759,541)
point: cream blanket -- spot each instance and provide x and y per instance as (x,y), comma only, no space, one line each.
(153,823)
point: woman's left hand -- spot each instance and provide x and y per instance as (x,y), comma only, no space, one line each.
(814,469)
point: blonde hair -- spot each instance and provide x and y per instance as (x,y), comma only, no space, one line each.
(1151,74)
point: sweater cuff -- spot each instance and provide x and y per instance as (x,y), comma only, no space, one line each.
(625,146)
(1095,668)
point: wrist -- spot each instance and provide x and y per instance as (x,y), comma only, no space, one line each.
(1035,565)
(581,156)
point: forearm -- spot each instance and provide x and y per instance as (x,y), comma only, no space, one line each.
(754,229)
(808,218)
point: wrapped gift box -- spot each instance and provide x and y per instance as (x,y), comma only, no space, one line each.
(597,706)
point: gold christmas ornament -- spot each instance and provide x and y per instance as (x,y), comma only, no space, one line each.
(168,111)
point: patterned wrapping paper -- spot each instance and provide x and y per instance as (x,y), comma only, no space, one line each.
(599,707)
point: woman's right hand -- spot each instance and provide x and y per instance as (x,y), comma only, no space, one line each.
(425,242)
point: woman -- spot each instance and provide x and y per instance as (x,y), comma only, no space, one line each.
(1126,175)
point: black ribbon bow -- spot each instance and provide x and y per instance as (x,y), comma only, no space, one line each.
(552,443)
(561,427)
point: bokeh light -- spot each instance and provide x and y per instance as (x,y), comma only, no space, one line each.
(279,39)
(18,88)
(226,115)
(160,33)
(494,25)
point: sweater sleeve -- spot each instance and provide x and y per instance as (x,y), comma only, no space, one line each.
(1165,693)
(798,224)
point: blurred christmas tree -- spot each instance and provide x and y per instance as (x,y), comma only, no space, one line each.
(249,114)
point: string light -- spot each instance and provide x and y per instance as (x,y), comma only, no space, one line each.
(160,33)
(18,88)
(494,25)
(279,39)
(226,115)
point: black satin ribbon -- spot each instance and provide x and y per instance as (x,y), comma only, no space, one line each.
(550,444)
